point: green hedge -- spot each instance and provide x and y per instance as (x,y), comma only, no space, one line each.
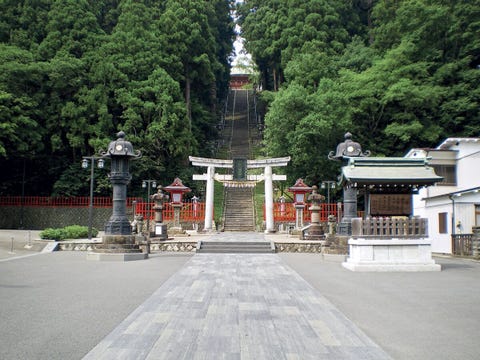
(68,232)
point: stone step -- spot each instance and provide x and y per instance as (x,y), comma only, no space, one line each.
(240,221)
(239,228)
(239,210)
(239,216)
(235,247)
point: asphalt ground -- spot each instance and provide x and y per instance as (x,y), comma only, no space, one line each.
(422,315)
(60,306)
(14,243)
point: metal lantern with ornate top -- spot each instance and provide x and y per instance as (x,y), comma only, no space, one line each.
(346,150)
(120,152)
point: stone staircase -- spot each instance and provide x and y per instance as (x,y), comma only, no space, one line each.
(243,247)
(239,213)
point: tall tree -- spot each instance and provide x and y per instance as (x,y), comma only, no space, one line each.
(75,72)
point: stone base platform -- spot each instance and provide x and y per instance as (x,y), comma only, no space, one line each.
(118,248)
(116,256)
(390,254)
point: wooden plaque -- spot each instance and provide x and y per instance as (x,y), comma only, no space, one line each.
(390,204)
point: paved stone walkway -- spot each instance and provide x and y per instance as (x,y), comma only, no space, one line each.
(232,306)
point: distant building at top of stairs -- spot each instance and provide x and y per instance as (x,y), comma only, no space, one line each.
(238,81)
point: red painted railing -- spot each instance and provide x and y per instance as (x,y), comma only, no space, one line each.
(190,211)
(48,201)
(285,212)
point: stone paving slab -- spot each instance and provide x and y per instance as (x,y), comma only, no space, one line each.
(236,306)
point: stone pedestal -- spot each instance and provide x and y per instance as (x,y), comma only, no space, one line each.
(299,217)
(391,254)
(161,232)
(314,231)
(177,227)
(119,248)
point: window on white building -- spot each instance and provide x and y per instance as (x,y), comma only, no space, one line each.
(443,223)
(477,215)
(448,172)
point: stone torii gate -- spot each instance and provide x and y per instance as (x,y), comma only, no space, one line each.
(267,175)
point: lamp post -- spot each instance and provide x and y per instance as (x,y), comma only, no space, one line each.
(328,184)
(86,162)
(148,184)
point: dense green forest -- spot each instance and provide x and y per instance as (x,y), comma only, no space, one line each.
(395,73)
(74,72)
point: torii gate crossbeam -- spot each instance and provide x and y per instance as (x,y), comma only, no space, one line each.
(268,176)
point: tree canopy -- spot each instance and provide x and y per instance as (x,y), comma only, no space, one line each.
(74,72)
(397,74)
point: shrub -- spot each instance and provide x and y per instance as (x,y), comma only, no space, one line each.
(53,234)
(68,232)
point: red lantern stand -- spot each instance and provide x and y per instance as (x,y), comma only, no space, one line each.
(176,190)
(299,190)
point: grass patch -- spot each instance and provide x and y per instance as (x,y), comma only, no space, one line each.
(258,202)
(218,198)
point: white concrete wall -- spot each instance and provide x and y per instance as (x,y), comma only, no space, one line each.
(441,243)
(468,167)
(467,160)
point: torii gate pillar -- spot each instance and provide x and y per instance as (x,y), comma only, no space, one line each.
(268,177)
(209,198)
(269,222)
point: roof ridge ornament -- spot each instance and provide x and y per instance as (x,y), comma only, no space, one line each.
(348,149)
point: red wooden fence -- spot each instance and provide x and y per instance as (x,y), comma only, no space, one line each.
(48,201)
(193,212)
(190,211)
(285,212)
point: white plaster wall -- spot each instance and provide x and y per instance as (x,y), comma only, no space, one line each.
(441,243)
(468,177)
(468,165)
(465,212)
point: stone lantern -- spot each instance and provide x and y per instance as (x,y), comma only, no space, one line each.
(176,190)
(315,230)
(299,190)
(118,241)
(346,150)
(160,198)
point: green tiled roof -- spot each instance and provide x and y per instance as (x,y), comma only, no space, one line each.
(377,170)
